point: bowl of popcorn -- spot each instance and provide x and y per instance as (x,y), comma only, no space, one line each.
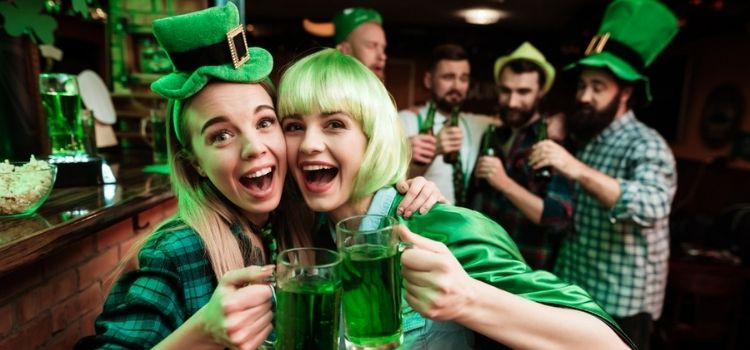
(24,186)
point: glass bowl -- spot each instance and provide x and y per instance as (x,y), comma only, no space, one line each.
(24,186)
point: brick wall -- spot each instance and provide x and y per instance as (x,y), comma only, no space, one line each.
(52,302)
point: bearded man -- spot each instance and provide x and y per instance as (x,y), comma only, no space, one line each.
(533,209)
(447,80)
(624,174)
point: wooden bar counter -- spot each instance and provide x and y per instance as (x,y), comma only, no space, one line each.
(57,265)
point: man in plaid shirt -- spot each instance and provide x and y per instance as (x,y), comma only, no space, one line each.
(625,176)
(533,209)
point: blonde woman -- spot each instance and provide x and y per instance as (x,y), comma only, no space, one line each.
(465,272)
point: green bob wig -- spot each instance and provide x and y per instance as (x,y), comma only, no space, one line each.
(330,81)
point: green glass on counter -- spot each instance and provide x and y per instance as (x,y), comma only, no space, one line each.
(62,105)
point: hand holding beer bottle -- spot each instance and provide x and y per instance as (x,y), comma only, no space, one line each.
(486,151)
(423,145)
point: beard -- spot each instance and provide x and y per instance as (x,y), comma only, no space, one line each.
(586,122)
(449,100)
(517,117)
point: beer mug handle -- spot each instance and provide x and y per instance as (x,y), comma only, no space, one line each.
(402,246)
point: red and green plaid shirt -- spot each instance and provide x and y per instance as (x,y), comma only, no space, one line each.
(537,243)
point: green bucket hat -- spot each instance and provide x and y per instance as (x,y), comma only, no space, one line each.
(632,34)
(349,19)
(204,45)
(528,52)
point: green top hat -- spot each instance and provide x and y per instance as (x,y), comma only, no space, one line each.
(528,52)
(349,19)
(632,34)
(204,45)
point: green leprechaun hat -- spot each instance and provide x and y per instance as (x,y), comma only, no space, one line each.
(349,19)
(205,45)
(631,36)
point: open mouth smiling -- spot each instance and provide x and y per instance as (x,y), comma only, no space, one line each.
(319,175)
(259,180)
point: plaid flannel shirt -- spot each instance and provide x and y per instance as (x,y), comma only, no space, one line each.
(173,281)
(537,243)
(619,255)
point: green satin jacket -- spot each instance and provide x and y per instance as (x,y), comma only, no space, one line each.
(487,253)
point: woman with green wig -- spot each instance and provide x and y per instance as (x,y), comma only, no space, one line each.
(464,273)
(201,280)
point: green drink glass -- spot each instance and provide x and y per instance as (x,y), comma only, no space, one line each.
(308,299)
(371,278)
(62,105)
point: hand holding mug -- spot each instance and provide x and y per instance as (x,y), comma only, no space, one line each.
(436,284)
(239,312)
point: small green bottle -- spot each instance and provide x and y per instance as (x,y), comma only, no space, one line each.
(487,149)
(426,127)
(452,157)
(544,174)
(429,121)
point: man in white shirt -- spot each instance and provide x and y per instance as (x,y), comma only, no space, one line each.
(448,82)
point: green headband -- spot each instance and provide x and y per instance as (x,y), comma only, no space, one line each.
(206,45)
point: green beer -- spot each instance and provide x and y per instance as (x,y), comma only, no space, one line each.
(307,314)
(371,279)
(65,128)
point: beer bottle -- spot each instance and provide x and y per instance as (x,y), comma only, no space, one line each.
(429,121)
(426,127)
(487,149)
(541,135)
(452,157)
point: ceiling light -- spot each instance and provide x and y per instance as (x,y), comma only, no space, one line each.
(482,15)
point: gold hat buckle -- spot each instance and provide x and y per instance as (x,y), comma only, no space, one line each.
(238,46)
(597,43)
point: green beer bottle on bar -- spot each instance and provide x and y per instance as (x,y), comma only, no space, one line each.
(426,127)
(541,135)
(452,157)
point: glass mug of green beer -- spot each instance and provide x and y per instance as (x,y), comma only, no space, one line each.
(308,299)
(371,278)
(62,105)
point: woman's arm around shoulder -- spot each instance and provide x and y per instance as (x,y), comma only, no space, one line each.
(439,288)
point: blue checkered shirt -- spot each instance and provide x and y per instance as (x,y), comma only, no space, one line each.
(619,255)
